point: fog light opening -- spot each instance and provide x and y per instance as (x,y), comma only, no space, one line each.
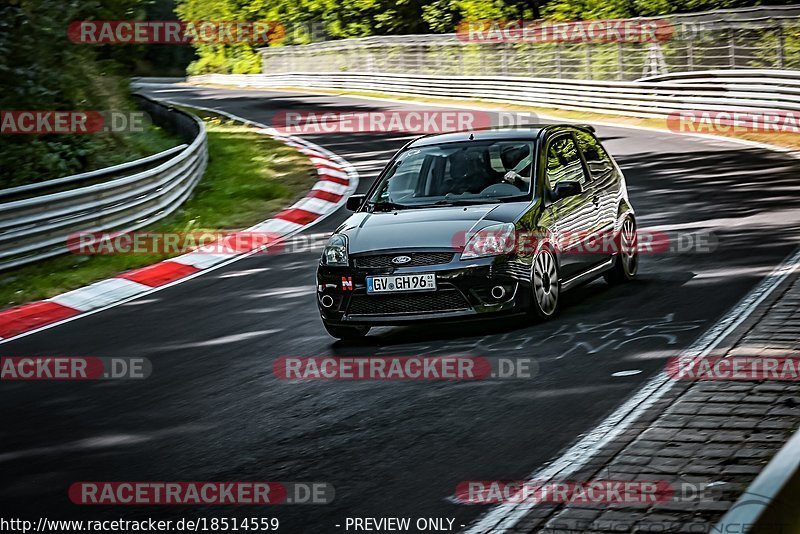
(326,301)
(498,292)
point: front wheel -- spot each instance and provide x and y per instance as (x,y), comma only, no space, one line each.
(546,287)
(627,261)
(346,333)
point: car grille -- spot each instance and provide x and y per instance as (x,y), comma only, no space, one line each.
(408,303)
(382,261)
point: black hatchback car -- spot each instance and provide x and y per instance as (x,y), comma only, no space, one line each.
(474,224)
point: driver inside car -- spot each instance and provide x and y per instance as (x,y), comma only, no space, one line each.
(517,161)
(470,172)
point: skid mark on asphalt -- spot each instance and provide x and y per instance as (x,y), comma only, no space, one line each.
(245,272)
(567,339)
(591,338)
(99,442)
(263,310)
(224,340)
(284,292)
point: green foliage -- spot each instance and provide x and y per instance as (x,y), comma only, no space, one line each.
(361,18)
(40,69)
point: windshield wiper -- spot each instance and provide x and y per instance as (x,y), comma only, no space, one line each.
(457,202)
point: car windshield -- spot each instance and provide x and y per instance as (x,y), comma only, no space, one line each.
(473,172)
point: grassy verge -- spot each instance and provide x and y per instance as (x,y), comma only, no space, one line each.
(249,178)
(785,140)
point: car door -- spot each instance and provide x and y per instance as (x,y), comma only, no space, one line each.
(575,216)
(606,187)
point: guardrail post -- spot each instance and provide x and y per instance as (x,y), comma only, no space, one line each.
(558,60)
(588,61)
(732,48)
(620,61)
(528,59)
(690,55)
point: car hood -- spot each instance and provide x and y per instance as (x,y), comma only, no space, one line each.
(441,227)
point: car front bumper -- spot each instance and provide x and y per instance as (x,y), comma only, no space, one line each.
(463,291)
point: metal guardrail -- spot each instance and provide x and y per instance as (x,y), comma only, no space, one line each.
(652,98)
(769,504)
(37,220)
(759,37)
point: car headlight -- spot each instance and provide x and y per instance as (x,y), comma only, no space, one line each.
(335,252)
(491,241)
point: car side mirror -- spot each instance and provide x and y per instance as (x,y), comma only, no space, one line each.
(567,188)
(355,201)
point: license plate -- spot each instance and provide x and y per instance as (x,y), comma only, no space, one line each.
(405,282)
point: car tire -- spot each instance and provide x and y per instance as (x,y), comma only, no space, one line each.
(545,285)
(346,333)
(626,262)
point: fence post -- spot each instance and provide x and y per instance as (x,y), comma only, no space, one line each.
(690,55)
(588,60)
(528,59)
(620,61)
(558,60)
(781,46)
(732,46)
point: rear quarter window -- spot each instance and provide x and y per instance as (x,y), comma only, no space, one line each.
(597,159)
(563,161)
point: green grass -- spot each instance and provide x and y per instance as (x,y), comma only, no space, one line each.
(249,178)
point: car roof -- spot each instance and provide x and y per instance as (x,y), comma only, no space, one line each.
(530,131)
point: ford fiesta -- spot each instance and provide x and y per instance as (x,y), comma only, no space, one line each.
(474,224)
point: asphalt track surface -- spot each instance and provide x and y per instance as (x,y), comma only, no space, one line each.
(212,409)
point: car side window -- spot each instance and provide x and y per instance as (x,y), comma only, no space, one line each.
(597,159)
(564,162)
